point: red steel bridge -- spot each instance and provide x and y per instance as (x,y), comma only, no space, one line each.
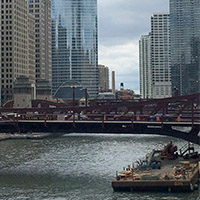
(177,117)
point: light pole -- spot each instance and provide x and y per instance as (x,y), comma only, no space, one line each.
(73,88)
(85,97)
(73,98)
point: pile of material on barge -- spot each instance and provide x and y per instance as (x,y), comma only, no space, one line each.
(161,170)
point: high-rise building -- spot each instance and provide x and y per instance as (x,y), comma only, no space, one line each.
(0,56)
(160,55)
(75,44)
(185,45)
(103,77)
(16,38)
(155,73)
(43,62)
(145,66)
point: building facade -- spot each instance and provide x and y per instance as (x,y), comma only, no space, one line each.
(185,45)
(16,37)
(145,66)
(41,10)
(154,50)
(75,44)
(0,58)
(160,55)
(103,77)
(24,92)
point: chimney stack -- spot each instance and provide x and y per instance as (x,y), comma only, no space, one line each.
(113,82)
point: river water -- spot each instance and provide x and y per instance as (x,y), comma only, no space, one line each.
(76,167)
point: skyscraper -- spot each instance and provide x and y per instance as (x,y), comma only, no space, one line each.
(145,66)
(0,57)
(185,45)
(103,77)
(160,55)
(155,73)
(41,10)
(75,44)
(16,39)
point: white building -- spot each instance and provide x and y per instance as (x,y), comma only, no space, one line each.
(155,73)
(0,58)
(160,55)
(145,66)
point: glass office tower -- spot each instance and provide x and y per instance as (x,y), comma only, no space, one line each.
(185,45)
(75,44)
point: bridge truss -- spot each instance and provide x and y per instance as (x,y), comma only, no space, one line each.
(183,113)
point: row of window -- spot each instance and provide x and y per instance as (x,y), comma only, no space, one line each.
(6,76)
(6,22)
(7,6)
(10,16)
(32,1)
(7,12)
(36,5)
(36,11)
(6,1)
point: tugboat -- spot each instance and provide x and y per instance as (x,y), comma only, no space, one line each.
(161,170)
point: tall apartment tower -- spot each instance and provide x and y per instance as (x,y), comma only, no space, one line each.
(160,55)
(16,38)
(145,66)
(185,45)
(0,58)
(154,50)
(75,44)
(103,77)
(41,9)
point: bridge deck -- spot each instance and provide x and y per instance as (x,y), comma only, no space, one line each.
(111,122)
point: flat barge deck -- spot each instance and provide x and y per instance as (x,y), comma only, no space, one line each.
(130,184)
(173,176)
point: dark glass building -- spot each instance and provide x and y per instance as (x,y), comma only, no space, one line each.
(185,45)
(75,44)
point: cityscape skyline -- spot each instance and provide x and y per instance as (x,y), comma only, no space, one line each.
(121,24)
(122,44)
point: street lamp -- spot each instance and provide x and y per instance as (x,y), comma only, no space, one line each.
(73,88)
(85,97)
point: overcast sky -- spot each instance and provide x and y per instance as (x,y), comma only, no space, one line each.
(121,23)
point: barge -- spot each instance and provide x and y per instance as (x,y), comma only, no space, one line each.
(161,172)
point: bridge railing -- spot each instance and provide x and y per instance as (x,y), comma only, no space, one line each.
(181,108)
(103,117)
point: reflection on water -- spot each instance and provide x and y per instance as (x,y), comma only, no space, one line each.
(76,166)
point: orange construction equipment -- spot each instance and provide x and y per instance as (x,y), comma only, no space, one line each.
(169,151)
(157,118)
(137,118)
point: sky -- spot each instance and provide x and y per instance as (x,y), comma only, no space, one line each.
(121,24)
